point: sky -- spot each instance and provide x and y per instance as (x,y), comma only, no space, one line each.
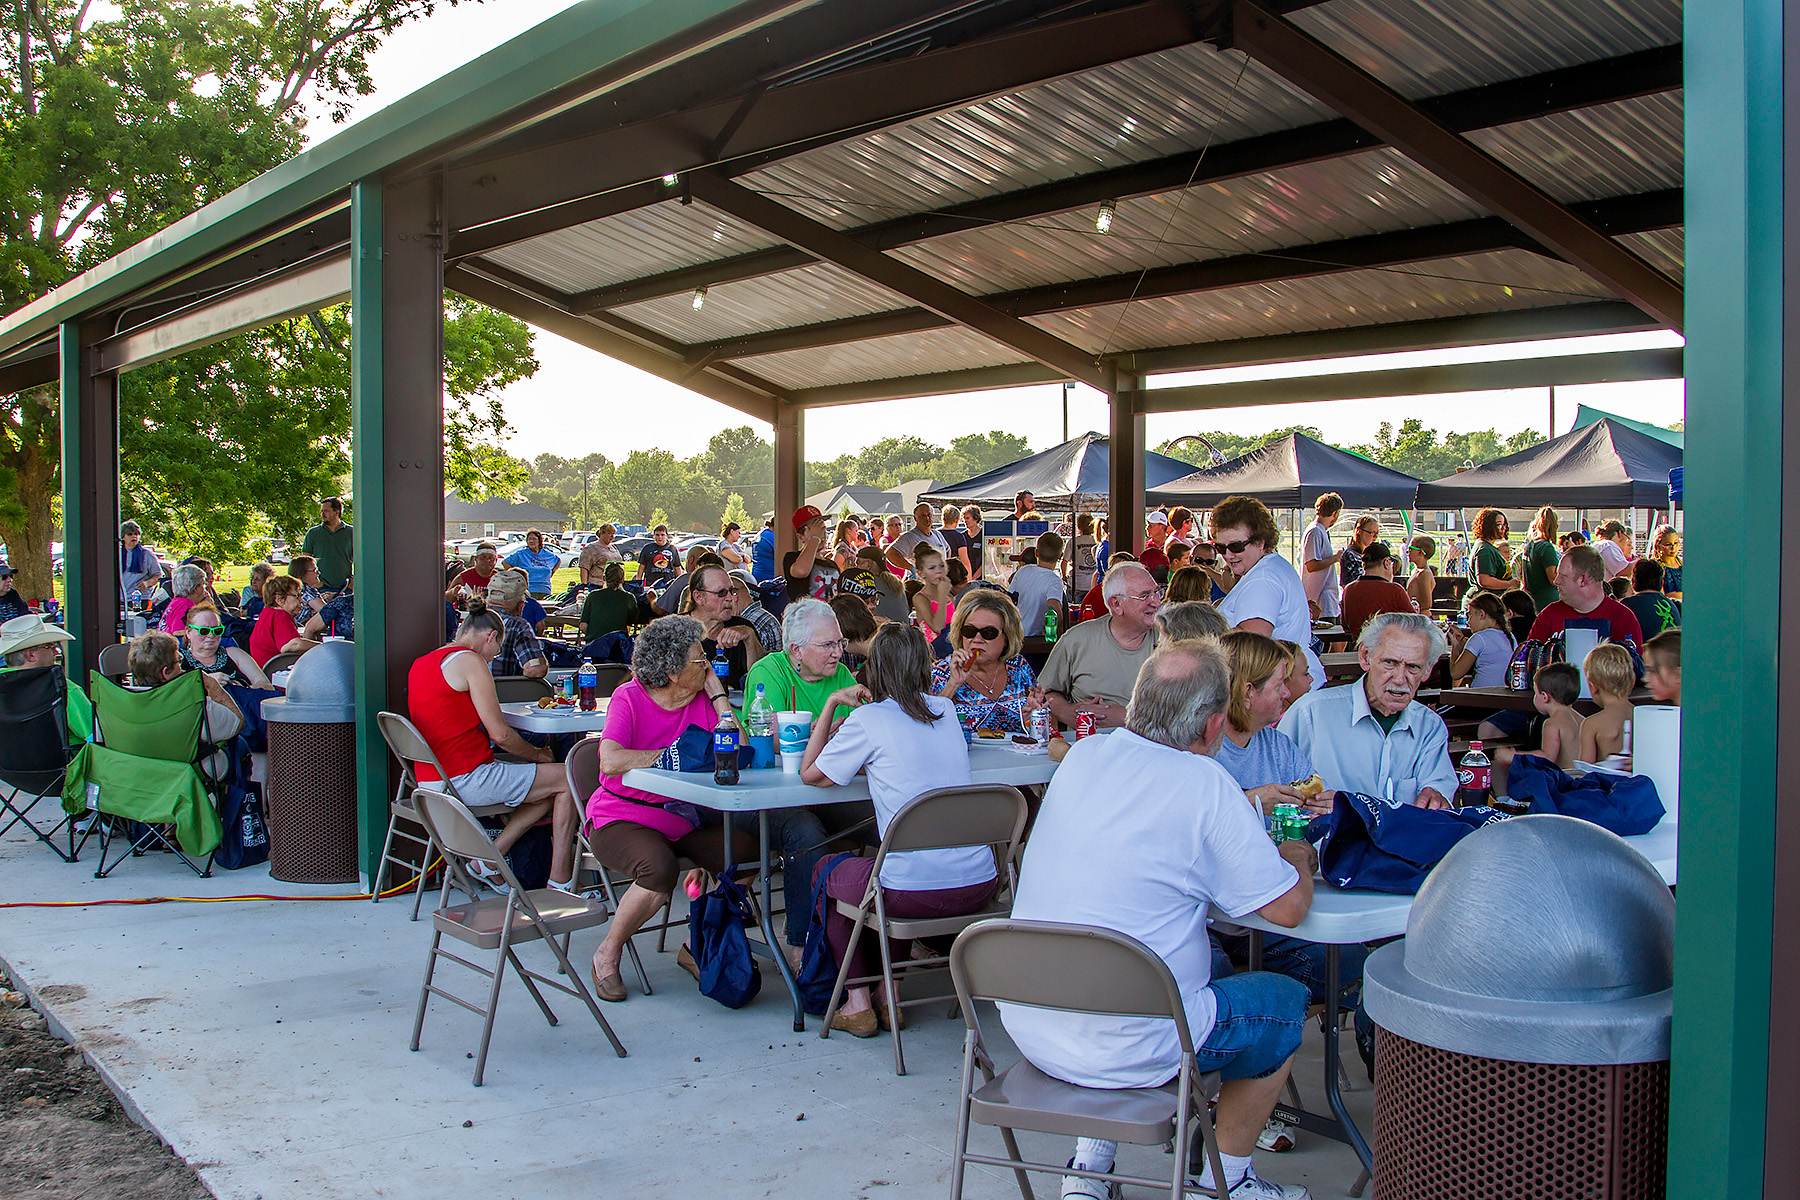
(580,401)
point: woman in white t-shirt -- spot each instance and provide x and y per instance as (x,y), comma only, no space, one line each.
(1268,597)
(910,742)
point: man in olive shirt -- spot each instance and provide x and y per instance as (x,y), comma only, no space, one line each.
(331,543)
(1093,667)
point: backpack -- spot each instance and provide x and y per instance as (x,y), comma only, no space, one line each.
(1531,655)
(818,970)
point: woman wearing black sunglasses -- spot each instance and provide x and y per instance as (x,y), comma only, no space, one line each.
(984,674)
(1268,597)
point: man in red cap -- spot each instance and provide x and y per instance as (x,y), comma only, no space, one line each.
(808,570)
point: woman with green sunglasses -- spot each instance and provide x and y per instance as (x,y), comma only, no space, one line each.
(203,649)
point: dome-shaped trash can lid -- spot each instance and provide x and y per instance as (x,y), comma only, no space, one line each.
(321,687)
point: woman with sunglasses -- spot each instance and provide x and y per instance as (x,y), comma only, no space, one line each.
(984,675)
(1268,597)
(202,649)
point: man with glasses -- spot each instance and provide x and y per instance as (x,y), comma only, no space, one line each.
(1094,665)
(1374,737)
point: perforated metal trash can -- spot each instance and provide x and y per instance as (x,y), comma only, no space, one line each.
(1522,1026)
(311,790)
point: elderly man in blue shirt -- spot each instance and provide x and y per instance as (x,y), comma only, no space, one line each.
(1373,737)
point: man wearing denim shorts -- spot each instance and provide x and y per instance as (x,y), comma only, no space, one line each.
(1140,832)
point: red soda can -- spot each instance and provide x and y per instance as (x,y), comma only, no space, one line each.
(1085,724)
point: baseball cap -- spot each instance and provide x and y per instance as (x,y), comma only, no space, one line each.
(7,571)
(805,515)
(860,582)
(1159,517)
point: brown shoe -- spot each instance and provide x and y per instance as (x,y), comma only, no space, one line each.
(685,960)
(611,989)
(886,1017)
(861,1025)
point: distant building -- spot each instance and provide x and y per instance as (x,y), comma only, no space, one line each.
(488,518)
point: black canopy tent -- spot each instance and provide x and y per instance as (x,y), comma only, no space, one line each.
(1078,471)
(1603,465)
(1292,472)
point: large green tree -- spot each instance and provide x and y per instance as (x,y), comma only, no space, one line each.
(1425,454)
(114,123)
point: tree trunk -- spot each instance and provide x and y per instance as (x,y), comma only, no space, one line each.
(33,465)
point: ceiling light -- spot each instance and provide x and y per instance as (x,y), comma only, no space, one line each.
(671,179)
(1104,219)
(699,298)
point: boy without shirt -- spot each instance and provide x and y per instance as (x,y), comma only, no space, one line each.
(1610,674)
(1557,686)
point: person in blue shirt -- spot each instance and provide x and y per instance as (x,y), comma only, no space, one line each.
(537,563)
(762,553)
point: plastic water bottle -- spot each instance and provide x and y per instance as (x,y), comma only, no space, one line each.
(720,667)
(587,685)
(1050,622)
(1474,778)
(759,718)
(725,752)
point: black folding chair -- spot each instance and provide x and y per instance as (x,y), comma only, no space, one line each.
(35,754)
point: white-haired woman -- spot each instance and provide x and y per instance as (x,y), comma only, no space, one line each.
(189,585)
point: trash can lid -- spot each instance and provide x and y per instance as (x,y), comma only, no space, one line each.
(321,687)
(1538,939)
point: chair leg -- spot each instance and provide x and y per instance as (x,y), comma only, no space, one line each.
(1210,1142)
(430,852)
(837,988)
(425,988)
(531,986)
(580,989)
(1019,1173)
(958,1163)
(893,990)
(1362,1182)
(493,1004)
(381,867)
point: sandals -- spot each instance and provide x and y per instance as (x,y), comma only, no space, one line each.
(487,875)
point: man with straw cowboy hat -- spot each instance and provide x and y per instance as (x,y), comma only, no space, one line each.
(31,641)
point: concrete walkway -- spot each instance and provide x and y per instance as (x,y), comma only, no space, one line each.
(266,1042)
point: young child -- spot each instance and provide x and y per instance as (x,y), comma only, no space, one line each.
(934,603)
(1487,651)
(1610,675)
(1662,666)
(1299,680)
(1557,686)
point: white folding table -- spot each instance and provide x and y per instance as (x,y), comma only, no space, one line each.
(527,716)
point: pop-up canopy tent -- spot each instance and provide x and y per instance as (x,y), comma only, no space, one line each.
(1292,472)
(1602,465)
(1585,416)
(1077,471)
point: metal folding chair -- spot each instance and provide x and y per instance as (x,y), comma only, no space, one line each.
(948,818)
(409,746)
(115,661)
(499,924)
(35,753)
(520,689)
(1077,969)
(281,662)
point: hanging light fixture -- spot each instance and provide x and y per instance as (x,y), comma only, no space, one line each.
(1104,218)
(671,179)
(699,298)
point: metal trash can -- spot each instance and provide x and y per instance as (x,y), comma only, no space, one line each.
(311,789)
(1522,1040)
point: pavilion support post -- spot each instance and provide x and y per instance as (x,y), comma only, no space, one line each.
(790,474)
(1125,453)
(397,467)
(90,476)
(1733,1118)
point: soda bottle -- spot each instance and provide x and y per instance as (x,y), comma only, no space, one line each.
(1050,622)
(1474,778)
(720,667)
(587,685)
(759,718)
(725,752)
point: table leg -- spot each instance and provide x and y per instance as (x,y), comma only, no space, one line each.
(768,924)
(1334,1065)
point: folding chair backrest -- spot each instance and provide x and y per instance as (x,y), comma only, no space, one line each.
(115,661)
(513,689)
(411,748)
(979,814)
(456,829)
(1073,968)
(164,722)
(582,768)
(34,722)
(610,677)
(281,662)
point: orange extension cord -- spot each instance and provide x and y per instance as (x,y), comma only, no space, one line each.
(393,891)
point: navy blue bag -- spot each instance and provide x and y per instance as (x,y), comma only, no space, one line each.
(1367,844)
(694,752)
(721,950)
(1623,804)
(818,970)
(244,835)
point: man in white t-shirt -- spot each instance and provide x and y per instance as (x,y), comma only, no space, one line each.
(923,532)
(1318,562)
(1142,832)
(1036,587)
(1613,541)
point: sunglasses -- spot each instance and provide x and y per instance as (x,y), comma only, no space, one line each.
(986,633)
(208,630)
(1236,547)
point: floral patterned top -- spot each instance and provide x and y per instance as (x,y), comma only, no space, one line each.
(974,710)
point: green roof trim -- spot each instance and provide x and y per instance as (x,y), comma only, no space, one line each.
(582,43)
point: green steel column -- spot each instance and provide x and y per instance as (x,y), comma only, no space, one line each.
(366,456)
(90,479)
(1733,461)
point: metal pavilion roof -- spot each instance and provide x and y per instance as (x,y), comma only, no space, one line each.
(973,144)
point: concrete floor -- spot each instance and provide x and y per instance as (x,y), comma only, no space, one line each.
(265,1040)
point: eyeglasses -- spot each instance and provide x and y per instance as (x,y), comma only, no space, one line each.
(711,592)
(840,645)
(1236,547)
(1156,596)
(208,630)
(699,662)
(986,633)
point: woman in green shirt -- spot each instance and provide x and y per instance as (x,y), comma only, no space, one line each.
(810,666)
(1539,559)
(610,609)
(1489,567)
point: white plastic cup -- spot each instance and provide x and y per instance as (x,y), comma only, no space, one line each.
(792,731)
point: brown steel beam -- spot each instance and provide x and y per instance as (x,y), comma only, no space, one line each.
(790,475)
(1569,88)
(29,368)
(1125,466)
(553,187)
(585,331)
(941,383)
(1326,75)
(1482,235)
(925,290)
(90,494)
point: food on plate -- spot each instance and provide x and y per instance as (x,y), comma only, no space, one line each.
(990,733)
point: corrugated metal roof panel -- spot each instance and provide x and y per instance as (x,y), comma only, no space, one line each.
(799,297)
(1425,49)
(1664,249)
(882,358)
(1630,146)
(1441,288)
(646,241)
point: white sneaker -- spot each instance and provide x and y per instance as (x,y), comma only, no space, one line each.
(1277,1137)
(1251,1187)
(1074,1187)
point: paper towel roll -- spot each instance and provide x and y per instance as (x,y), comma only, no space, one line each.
(1656,751)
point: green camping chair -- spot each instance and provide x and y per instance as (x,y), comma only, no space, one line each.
(150,764)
